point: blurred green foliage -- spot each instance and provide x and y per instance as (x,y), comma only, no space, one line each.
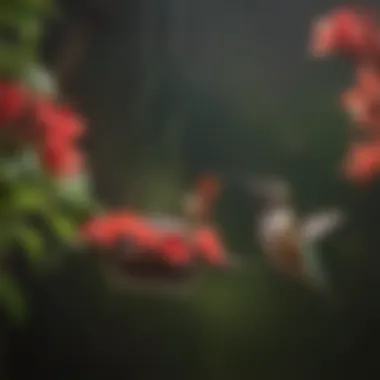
(37,214)
(20,31)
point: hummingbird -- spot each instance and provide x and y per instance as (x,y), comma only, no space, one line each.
(288,241)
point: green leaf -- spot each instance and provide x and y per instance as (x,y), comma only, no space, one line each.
(12,299)
(23,8)
(10,169)
(62,225)
(31,241)
(27,199)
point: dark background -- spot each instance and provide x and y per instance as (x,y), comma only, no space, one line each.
(171,89)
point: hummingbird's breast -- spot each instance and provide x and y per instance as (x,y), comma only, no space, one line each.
(279,235)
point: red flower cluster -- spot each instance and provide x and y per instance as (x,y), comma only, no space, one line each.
(175,247)
(52,129)
(352,32)
(355,34)
(58,130)
(105,231)
(208,244)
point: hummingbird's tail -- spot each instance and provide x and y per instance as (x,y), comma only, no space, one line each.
(317,279)
(313,268)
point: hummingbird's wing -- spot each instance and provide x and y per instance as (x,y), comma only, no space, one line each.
(312,230)
(319,225)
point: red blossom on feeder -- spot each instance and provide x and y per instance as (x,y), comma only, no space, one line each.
(178,244)
(174,249)
(208,246)
(105,231)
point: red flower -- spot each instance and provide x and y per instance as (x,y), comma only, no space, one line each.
(174,250)
(61,160)
(105,230)
(363,161)
(208,245)
(13,101)
(57,132)
(368,79)
(363,106)
(57,120)
(170,246)
(141,234)
(348,31)
(99,231)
